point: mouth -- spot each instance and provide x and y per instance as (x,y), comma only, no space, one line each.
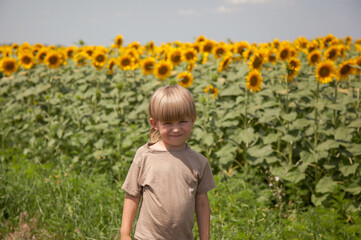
(176,136)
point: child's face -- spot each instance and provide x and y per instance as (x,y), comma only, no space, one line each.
(174,134)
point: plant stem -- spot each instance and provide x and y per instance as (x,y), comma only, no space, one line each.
(287,93)
(335,101)
(316,117)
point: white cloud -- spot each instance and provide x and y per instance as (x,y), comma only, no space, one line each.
(236,2)
(223,9)
(188,12)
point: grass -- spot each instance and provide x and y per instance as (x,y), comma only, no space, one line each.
(53,201)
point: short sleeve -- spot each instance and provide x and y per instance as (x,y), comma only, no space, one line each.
(131,184)
(206,183)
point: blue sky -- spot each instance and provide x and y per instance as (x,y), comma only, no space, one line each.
(98,22)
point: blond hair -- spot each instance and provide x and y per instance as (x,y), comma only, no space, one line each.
(170,103)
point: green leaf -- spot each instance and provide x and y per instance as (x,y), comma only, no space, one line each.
(348,169)
(270,138)
(247,136)
(208,139)
(356,123)
(289,117)
(327,145)
(258,151)
(295,176)
(353,188)
(344,133)
(227,153)
(325,185)
(317,201)
(355,149)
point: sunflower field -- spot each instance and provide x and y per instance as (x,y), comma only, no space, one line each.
(287,112)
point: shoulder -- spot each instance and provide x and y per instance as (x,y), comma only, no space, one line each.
(198,156)
(141,151)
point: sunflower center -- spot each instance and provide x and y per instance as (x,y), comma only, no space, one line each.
(345,69)
(185,80)
(9,66)
(257,62)
(125,62)
(314,58)
(176,58)
(53,60)
(332,54)
(324,72)
(208,48)
(149,66)
(241,50)
(163,70)
(26,60)
(100,58)
(189,56)
(220,51)
(284,54)
(42,56)
(254,80)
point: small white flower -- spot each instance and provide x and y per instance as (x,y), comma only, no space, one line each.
(277,179)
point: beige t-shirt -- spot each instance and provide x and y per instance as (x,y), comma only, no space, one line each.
(168,182)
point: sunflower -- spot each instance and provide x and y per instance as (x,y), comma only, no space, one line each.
(223,65)
(301,43)
(191,65)
(81,58)
(204,58)
(294,64)
(99,59)
(163,70)
(344,69)
(276,43)
(8,66)
(271,56)
(25,47)
(314,57)
(26,60)
(357,62)
(125,62)
(110,66)
(150,47)
(207,46)
(148,65)
(254,80)
(256,61)
(311,46)
(200,39)
(135,45)
(53,59)
(348,40)
(41,55)
(220,50)
(331,53)
(69,52)
(211,90)
(175,56)
(118,41)
(189,55)
(248,53)
(185,79)
(284,52)
(325,71)
(240,47)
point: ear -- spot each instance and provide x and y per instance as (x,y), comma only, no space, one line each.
(153,122)
(194,119)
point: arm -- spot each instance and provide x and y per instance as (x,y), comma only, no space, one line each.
(129,211)
(203,213)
